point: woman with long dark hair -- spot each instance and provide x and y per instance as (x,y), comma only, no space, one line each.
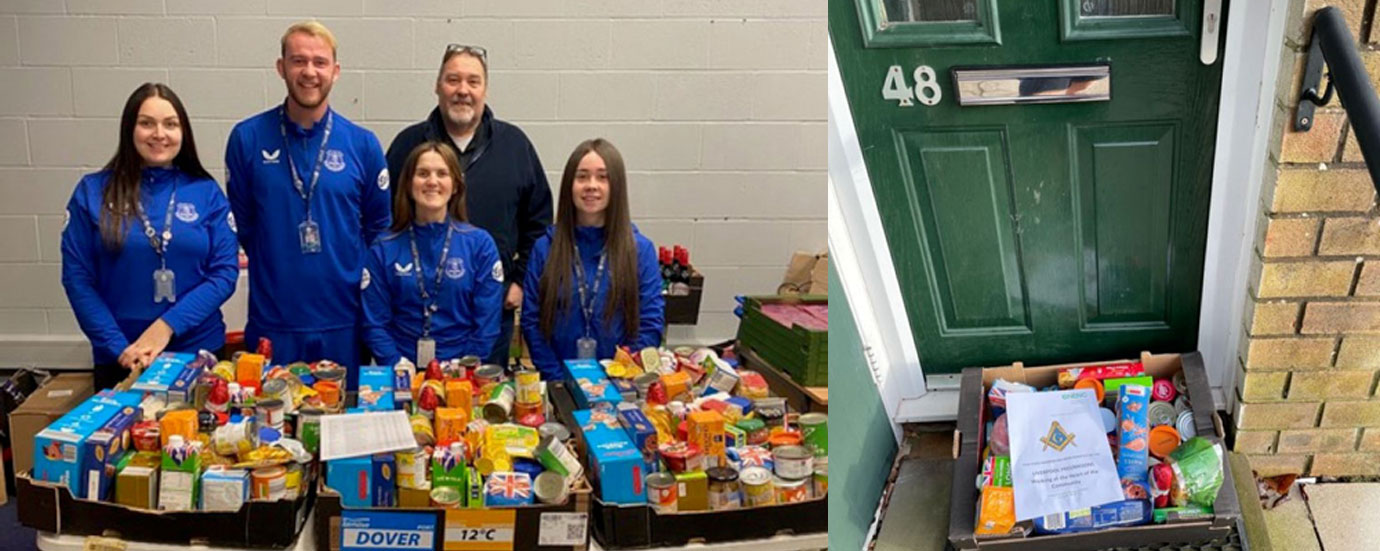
(148,244)
(433,287)
(593,282)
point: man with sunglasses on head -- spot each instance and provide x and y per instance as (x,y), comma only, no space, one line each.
(506,190)
(309,189)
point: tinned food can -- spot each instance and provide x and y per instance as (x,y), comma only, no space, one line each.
(528,386)
(821,480)
(499,408)
(757,487)
(550,487)
(661,492)
(270,413)
(793,462)
(268,483)
(445,497)
(723,489)
(487,374)
(792,491)
(814,430)
(309,428)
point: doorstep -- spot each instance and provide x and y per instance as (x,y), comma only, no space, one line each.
(915,513)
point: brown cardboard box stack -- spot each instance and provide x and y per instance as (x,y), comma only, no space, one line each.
(44,406)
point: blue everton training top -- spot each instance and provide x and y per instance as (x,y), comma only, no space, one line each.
(289,290)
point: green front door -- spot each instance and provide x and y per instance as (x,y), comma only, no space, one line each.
(1041,232)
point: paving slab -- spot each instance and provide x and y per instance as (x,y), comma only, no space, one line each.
(1347,515)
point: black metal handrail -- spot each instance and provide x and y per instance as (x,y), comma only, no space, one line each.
(1331,43)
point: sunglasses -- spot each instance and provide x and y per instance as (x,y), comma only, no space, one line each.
(477,51)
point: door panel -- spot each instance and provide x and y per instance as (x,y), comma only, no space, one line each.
(1044,232)
(1124,180)
(960,183)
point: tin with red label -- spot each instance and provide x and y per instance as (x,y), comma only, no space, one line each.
(792,491)
(681,456)
(146,436)
(661,492)
(1163,391)
(270,413)
(522,409)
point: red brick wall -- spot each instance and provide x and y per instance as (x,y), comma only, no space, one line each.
(1311,360)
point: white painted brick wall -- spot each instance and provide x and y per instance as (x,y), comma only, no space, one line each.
(717,105)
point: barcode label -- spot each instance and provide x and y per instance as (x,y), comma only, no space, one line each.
(1054,522)
(563,529)
(69,453)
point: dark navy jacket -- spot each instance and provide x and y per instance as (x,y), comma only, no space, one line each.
(111,291)
(506,192)
(548,353)
(471,297)
(290,291)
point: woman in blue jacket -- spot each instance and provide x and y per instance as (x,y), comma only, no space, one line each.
(433,287)
(148,244)
(593,281)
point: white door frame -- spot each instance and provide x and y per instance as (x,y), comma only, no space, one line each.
(868,277)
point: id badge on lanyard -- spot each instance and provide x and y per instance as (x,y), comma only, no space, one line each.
(309,234)
(586,348)
(426,351)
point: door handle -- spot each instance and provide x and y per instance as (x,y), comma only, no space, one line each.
(1212,26)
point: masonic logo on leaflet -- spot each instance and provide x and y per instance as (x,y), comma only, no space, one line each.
(1057,438)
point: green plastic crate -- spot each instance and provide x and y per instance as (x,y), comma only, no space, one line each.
(800,352)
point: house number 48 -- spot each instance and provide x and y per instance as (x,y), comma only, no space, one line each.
(926,86)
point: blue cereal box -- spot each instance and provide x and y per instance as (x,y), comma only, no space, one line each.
(384,480)
(375,388)
(181,388)
(159,377)
(591,386)
(1133,441)
(614,458)
(104,448)
(508,489)
(642,433)
(60,449)
(351,477)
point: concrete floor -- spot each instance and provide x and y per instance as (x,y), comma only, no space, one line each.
(1327,517)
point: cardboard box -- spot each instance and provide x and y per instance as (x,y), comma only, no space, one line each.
(60,449)
(613,458)
(635,526)
(50,507)
(160,377)
(104,448)
(541,527)
(590,385)
(969,437)
(47,404)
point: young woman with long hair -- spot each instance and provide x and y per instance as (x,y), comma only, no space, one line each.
(148,244)
(593,282)
(433,286)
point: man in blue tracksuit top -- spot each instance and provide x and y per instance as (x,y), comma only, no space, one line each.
(309,189)
(507,194)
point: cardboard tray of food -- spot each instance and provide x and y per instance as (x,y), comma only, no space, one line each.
(50,507)
(969,439)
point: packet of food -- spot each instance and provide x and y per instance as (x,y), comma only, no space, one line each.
(997,514)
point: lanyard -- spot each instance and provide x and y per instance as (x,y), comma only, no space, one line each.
(428,305)
(305,191)
(588,295)
(159,242)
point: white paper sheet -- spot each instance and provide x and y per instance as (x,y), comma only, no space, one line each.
(1060,459)
(356,434)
